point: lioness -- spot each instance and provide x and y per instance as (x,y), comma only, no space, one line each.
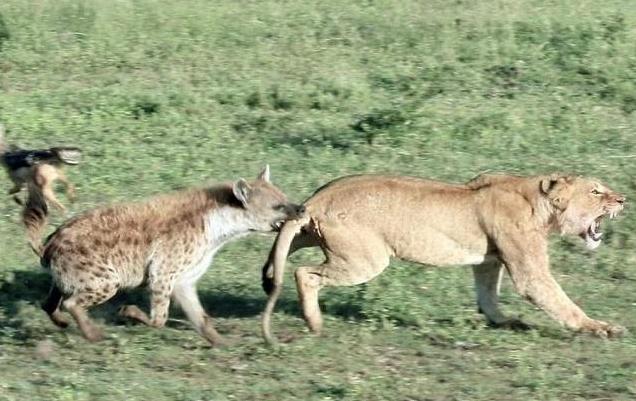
(165,243)
(360,222)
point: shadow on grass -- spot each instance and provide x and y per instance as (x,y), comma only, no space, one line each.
(25,286)
(31,287)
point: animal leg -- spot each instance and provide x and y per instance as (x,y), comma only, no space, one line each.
(530,274)
(52,307)
(77,305)
(16,188)
(350,261)
(308,284)
(185,294)
(44,177)
(487,282)
(68,186)
(159,305)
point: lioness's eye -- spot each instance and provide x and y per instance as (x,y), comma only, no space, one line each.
(596,192)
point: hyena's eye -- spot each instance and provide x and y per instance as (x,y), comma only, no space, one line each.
(279,208)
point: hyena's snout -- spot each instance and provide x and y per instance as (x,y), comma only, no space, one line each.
(295,211)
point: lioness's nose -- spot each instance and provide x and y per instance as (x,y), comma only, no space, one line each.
(620,199)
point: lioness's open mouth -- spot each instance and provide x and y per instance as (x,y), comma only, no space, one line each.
(593,235)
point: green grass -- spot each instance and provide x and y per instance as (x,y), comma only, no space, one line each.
(162,95)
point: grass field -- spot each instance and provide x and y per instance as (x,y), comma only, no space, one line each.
(162,95)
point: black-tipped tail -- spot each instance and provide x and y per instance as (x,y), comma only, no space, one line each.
(267,276)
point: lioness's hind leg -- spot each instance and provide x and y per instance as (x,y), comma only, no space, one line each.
(350,261)
(308,283)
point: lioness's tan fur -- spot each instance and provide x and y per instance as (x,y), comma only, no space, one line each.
(361,222)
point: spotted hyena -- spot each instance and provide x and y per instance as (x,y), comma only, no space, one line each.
(165,243)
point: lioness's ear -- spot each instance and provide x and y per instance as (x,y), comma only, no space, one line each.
(242,191)
(547,184)
(264,175)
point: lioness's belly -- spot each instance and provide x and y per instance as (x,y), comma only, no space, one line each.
(441,250)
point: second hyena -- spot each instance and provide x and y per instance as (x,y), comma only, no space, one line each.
(165,243)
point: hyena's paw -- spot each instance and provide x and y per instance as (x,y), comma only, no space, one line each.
(93,334)
(602,329)
(59,320)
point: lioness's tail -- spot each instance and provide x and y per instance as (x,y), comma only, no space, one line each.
(274,270)
(34,217)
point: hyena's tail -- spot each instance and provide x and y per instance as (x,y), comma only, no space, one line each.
(35,217)
(274,270)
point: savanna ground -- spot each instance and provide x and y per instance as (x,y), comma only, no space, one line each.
(162,95)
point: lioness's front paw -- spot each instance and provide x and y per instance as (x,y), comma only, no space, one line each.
(603,329)
(512,324)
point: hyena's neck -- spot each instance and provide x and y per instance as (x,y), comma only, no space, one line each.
(224,224)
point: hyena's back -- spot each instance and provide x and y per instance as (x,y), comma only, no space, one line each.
(117,244)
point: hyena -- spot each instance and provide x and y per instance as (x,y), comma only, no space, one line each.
(165,243)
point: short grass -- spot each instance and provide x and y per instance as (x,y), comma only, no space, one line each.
(162,95)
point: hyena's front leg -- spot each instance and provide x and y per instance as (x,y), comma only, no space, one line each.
(185,294)
(530,273)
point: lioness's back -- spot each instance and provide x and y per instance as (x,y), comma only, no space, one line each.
(356,183)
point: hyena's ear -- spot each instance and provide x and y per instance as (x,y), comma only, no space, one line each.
(242,191)
(264,175)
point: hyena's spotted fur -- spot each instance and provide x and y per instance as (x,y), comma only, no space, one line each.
(166,243)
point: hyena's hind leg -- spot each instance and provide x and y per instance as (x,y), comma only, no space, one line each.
(78,303)
(52,307)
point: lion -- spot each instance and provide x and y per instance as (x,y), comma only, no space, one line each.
(493,221)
